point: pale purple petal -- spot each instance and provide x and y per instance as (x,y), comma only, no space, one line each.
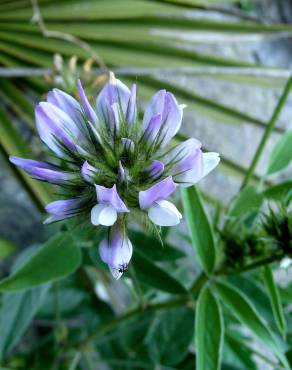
(114,91)
(155,169)
(116,251)
(160,191)
(131,110)
(66,103)
(171,118)
(42,171)
(26,164)
(88,172)
(52,124)
(190,170)
(64,208)
(115,117)
(91,115)
(110,196)
(155,107)
(163,103)
(185,162)
(152,130)
(182,150)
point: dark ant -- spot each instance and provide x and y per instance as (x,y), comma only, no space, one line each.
(123,268)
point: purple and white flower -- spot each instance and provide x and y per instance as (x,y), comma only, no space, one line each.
(111,164)
(116,251)
(160,211)
(109,205)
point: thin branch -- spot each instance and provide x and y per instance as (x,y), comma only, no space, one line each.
(102,330)
(269,129)
(37,17)
(252,265)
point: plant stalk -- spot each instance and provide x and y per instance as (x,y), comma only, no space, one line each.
(269,129)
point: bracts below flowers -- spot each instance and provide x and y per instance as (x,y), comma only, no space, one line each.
(111,163)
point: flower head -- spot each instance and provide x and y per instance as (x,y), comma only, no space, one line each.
(110,163)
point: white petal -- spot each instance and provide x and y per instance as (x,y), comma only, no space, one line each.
(115,273)
(210,161)
(103,214)
(164,213)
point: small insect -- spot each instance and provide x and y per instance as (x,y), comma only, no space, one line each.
(118,272)
(123,268)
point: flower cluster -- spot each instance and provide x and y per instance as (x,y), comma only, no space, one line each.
(110,163)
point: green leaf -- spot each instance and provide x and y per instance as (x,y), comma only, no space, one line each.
(255,293)
(16,313)
(54,260)
(208,331)
(281,155)
(246,201)
(200,229)
(152,275)
(170,335)
(274,299)
(244,311)
(69,300)
(7,248)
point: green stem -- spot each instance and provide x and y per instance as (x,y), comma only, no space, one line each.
(251,266)
(102,330)
(269,129)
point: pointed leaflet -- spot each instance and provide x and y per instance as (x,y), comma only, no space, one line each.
(281,155)
(208,331)
(274,299)
(245,312)
(57,258)
(17,311)
(200,229)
